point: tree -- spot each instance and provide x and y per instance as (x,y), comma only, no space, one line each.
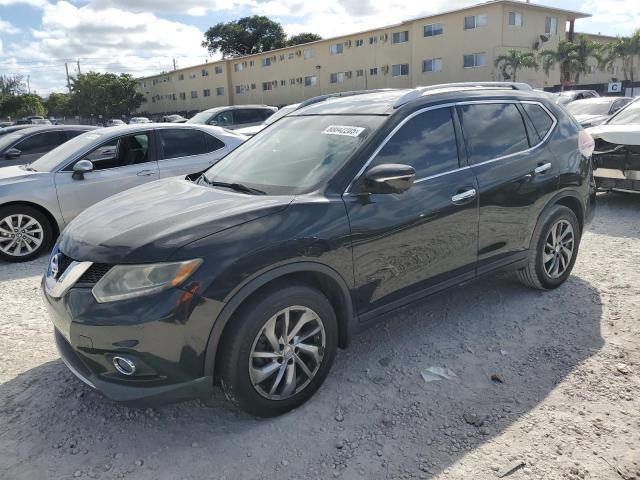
(104,94)
(563,56)
(25,105)
(584,50)
(59,104)
(12,85)
(516,60)
(301,38)
(245,36)
(624,49)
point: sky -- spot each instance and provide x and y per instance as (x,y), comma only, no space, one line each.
(142,37)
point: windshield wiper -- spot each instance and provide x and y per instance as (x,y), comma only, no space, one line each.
(239,187)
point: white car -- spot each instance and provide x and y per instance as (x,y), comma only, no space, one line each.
(114,122)
(38,200)
(251,131)
(135,120)
(590,112)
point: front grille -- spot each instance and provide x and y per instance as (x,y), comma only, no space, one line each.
(95,273)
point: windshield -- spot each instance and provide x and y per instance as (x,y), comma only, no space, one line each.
(201,118)
(8,139)
(589,108)
(284,111)
(296,155)
(628,116)
(51,161)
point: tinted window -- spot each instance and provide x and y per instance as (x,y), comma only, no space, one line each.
(69,134)
(248,116)
(224,118)
(492,130)
(213,143)
(40,143)
(182,142)
(265,113)
(427,142)
(539,117)
(121,152)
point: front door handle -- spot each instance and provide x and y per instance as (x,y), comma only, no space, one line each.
(145,173)
(462,196)
(542,168)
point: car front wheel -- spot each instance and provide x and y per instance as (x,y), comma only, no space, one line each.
(278,350)
(25,233)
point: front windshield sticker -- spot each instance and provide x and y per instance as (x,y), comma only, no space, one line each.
(343,130)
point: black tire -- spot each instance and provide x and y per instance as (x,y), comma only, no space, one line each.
(535,275)
(45,237)
(236,344)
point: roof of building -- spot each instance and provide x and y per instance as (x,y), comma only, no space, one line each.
(572,14)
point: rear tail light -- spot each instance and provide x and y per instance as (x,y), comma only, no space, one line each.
(585,143)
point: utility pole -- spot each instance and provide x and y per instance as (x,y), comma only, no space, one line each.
(28,84)
(174,64)
(79,71)
(66,67)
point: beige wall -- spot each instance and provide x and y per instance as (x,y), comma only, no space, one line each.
(290,65)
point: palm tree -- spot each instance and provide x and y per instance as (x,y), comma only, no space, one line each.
(516,60)
(625,49)
(564,56)
(585,49)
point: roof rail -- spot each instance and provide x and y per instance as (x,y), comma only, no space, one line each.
(322,98)
(421,91)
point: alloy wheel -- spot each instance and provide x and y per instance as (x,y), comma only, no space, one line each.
(20,235)
(287,353)
(558,249)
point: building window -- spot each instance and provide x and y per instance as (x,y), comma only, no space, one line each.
(515,19)
(432,65)
(310,81)
(360,73)
(433,29)
(238,67)
(181,76)
(336,77)
(283,83)
(292,56)
(400,70)
(194,94)
(373,40)
(183,96)
(373,71)
(251,63)
(219,91)
(336,48)
(551,25)
(475,21)
(309,53)
(359,42)
(239,89)
(400,37)
(282,57)
(205,73)
(473,60)
(193,75)
(266,62)
(206,92)
(218,69)
(253,86)
(266,86)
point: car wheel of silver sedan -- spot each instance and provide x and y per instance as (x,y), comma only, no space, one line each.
(24,233)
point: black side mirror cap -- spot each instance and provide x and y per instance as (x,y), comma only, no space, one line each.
(389,178)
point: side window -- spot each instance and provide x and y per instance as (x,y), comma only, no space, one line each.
(223,119)
(182,142)
(40,143)
(69,134)
(120,152)
(213,143)
(541,120)
(265,113)
(247,115)
(492,130)
(427,142)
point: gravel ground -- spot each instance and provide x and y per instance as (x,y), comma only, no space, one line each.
(546,385)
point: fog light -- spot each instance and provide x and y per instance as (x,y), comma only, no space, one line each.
(124,365)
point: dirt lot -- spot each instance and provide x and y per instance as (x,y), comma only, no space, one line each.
(564,402)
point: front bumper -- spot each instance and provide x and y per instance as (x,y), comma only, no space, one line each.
(165,335)
(614,179)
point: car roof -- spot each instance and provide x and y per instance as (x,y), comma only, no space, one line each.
(46,128)
(237,107)
(142,127)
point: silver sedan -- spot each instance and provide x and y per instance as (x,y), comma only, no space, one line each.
(37,201)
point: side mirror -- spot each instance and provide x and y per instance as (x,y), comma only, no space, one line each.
(389,178)
(12,153)
(81,167)
(213,123)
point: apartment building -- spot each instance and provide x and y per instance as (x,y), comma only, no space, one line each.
(453,46)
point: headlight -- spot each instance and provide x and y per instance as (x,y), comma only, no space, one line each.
(130,281)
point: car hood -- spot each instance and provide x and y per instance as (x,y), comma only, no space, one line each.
(592,119)
(150,222)
(12,175)
(619,134)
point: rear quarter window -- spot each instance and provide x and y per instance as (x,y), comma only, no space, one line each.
(541,120)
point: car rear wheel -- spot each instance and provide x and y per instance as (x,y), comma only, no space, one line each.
(554,249)
(25,233)
(278,349)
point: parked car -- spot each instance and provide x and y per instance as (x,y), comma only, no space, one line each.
(617,151)
(251,131)
(338,213)
(114,122)
(135,120)
(590,112)
(38,201)
(174,119)
(26,145)
(13,128)
(568,96)
(234,116)
(41,121)
(6,124)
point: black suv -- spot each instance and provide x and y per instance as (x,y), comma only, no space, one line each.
(253,273)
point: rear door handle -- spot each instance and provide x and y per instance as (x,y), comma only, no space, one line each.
(145,173)
(542,168)
(462,196)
